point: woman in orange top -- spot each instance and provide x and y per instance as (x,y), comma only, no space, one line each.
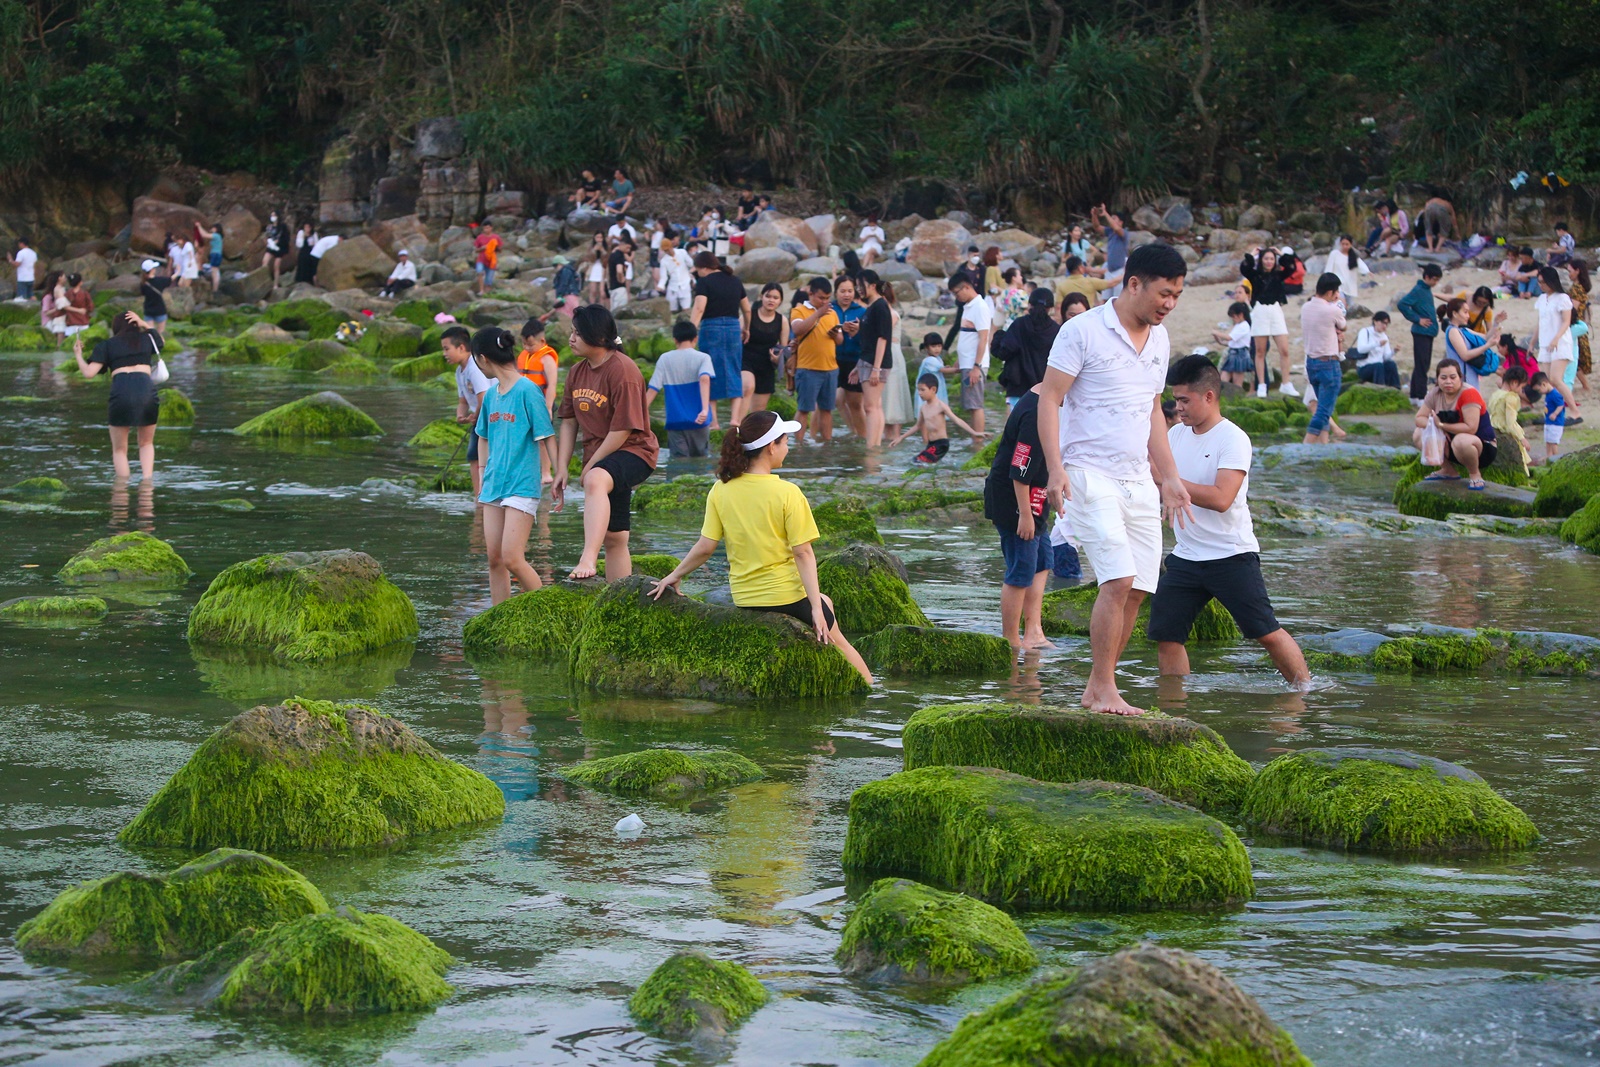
(538,363)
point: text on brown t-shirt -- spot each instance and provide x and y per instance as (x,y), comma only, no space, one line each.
(605,398)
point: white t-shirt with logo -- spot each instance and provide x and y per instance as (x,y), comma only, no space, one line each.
(26,258)
(1107,411)
(471,384)
(977,314)
(1213,534)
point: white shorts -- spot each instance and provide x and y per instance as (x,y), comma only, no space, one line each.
(1552,434)
(679,299)
(619,298)
(1266,320)
(73,331)
(1118,526)
(528,505)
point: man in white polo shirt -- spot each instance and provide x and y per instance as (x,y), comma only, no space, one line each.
(1107,369)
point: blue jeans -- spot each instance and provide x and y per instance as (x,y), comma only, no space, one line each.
(25,290)
(1326,377)
(814,390)
(1529,286)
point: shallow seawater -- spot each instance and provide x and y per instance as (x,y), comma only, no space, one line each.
(554,919)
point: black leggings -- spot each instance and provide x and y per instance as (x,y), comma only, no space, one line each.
(1422,347)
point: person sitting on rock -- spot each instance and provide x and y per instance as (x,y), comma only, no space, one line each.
(1458,409)
(767,526)
(622,194)
(403,277)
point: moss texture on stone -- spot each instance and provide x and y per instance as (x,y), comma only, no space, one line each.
(983,458)
(440,433)
(180,914)
(176,409)
(1383,800)
(309,775)
(868,588)
(324,414)
(1439,500)
(1582,527)
(52,609)
(924,650)
(669,773)
(1364,398)
(316,318)
(692,995)
(1179,759)
(390,339)
(841,523)
(420,368)
(687,492)
(1142,1007)
(304,606)
(649,564)
(39,488)
(1569,483)
(1066,614)
(677,646)
(127,557)
(419,312)
(1022,843)
(544,620)
(351,367)
(905,932)
(314,355)
(1443,649)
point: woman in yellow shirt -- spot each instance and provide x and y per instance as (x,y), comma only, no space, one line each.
(767,526)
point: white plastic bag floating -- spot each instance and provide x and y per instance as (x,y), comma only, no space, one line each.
(630,826)
(1432,445)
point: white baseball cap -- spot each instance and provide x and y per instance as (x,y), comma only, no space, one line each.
(402,252)
(1286,250)
(149,265)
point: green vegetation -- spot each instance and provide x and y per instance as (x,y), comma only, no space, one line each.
(903,931)
(52,608)
(309,775)
(1383,800)
(440,433)
(669,773)
(176,408)
(868,588)
(1021,843)
(315,355)
(127,557)
(420,368)
(1582,527)
(924,650)
(1177,758)
(49,489)
(1439,649)
(169,916)
(418,313)
(692,995)
(316,318)
(1066,614)
(983,458)
(304,606)
(1569,483)
(351,367)
(687,492)
(1364,398)
(535,623)
(843,522)
(323,415)
(1146,1005)
(649,564)
(388,339)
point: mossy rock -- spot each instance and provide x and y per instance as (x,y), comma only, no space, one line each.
(28,339)
(321,415)
(418,312)
(40,488)
(1439,500)
(1568,484)
(1383,800)
(868,588)
(19,399)
(310,775)
(784,405)
(53,609)
(316,318)
(686,492)
(1441,649)
(534,623)
(901,500)
(1065,613)
(676,646)
(12,314)
(649,564)
(440,433)
(262,342)
(844,522)
(669,773)
(905,932)
(180,914)
(304,606)
(420,368)
(1143,1005)
(1582,527)
(390,339)
(432,339)
(1179,759)
(692,996)
(176,408)
(128,557)
(925,650)
(1364,398)
(351,367)
(1021,843)
(314,355)
(983,458)
(1257,423)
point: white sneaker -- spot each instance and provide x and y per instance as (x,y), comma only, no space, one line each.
(1288,389)
(1261,390)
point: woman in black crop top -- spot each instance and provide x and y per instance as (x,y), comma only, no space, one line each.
(128,355)
(721,310)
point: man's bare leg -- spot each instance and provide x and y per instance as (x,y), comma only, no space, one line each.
(1287,657)
(1110,626)
(1173,657)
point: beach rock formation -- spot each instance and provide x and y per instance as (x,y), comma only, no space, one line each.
(1431,649)
(925,650)
(1066,613)
(669,773)
(1569,483)
(320,415)
(868,588)
(906,932)
(50,609)
(390,339)
(692,996)
(176,408)
(134,557)
(537,622)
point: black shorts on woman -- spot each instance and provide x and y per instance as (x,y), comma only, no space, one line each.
(800,609)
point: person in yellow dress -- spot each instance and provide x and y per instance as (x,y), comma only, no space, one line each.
(1505,404)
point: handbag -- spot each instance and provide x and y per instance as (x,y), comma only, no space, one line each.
(159,373)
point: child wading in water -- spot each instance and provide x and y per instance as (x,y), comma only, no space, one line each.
(931,416)
(767,525)
(512,420)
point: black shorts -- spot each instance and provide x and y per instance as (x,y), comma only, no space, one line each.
(935,451)
(1486,458)
(133,400)
(845,367)
(627,470)
(800,609)
(1186,585)
(758,362)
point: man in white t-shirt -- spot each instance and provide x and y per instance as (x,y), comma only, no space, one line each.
(972,345)
(1107,369)
(1217,555)
(620,227)
(471,384)
(25,260)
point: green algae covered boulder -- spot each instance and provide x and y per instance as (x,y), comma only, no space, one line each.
(1432,649)
(261,342)
(1179,759)
(1066,614)
(677,646)
(1569,483)
(649,564)
(304,606)
(40,488)
(669,773)
(325,414)
(176,409)
(687,492)
(418,312)
(906,932)
(537,622)
(316,318)
(1383,800)
(186,912)
(351,367)
(692,996)
(308,775)
(983,458)
(1142,1006)
(440,433)
(314,355)
(1364,398)
(924,650)
(841,523)
(1501,495)
(390,339)
(420,368)
(868,588)
(133,557)
(52,609)
(1582,527)
(1022,843)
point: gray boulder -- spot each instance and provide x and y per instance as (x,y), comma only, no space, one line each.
(1258,217)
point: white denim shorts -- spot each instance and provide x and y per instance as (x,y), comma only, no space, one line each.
(1118,526)
(1553,434)
(528,505)
(1266,320)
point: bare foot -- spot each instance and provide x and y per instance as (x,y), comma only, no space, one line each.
(1015,642)
(585,569)
(1037,640)
(1109,702)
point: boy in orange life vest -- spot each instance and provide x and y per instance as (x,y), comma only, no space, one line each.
(539,363)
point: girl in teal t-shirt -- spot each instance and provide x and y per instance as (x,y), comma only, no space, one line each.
(512,421)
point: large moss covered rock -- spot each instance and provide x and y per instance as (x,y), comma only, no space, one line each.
(440,433)
(1364,398)
(1582,527)
(841,523)
(127,557)
(1143,1006)
(665,772)
(304,606)
(261,342)
(390,339)
(324,414)
(308,775)
(1501,495)
(1383,800)
(676,646)
(176,409)
(40,488)
(316,318)
(53,609)
(169,916)
(420,368)
(687,492)
(1567,484)
(315,355)
(868,588)
(692,995)
(1023,843)
(418,312)
(903,931)
(1065,613)
(924,650)
(1432,649)
(1177,758)
(544,620)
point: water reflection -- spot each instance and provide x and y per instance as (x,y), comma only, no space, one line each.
(507,741)
(145,515)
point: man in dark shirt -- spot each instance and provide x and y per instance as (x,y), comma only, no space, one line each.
(1014,497)
(617,273)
